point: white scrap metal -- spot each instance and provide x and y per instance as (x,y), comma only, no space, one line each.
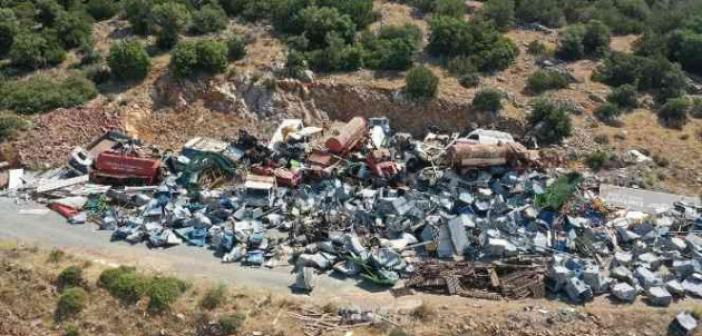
(59,184)
(15,179)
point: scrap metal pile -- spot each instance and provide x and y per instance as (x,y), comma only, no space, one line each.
(469,215)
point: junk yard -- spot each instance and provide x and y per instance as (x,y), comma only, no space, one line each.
(477,215)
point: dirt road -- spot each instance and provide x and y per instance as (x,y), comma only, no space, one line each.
(50,230)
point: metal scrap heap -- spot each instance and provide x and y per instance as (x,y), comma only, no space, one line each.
(470,215)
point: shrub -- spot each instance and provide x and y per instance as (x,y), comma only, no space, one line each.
(686,47)
(608,112)
(214,297)
(9,27)
(206,56)
(674,112)
(424,312)
(138,13)
(488,100)
(543,80)
(128,287)
(295,64)
(41,94)
(469,80)
(536,48)
(461,65)
(167,21)
(337,56)
(393,48)
(546,12)
(550,120)
(695,110)
(421,83)
(624,96)
(455,8)
(71,276)
(319,22)
(499,57)
(108,277)
(501,12)
(101,9)
(74,29)
(47,11)
(360,11)
(558,193)
(71,330)
(56,255)
(619,69)
(71,302)
(10,124)
(596,39)
(230,324)
(32,50)
(236,47)
(570,45)
(97,73)
(209,19)
(673,84)
(162,292)
(129,60)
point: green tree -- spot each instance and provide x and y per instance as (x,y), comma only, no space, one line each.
(337,56)
(32,50)
(295,64)
(167,21)
(608,112)
(550,120)
(674,112)
(685,47)
(138,13)
(421,83)
(318,22)
(546,12)
(454,8)
(360,11)
(393,48)
(184,59)
(212,56)
(596,39)
(544,80)
(101,9)
(488,100)
(619,69)
(129,60)
(9,27)
(74,29)
(237,48)
(209,19)
(624,96)
(501,12)
(570,44)
(47,11)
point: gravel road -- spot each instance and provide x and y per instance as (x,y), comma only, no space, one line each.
(49,230)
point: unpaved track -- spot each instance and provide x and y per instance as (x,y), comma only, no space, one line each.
(52,231)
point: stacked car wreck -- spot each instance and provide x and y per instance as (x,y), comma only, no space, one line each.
(472,215)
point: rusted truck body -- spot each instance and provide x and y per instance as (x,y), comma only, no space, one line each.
(124,169)
(348,137)
(469,155)
(381,164)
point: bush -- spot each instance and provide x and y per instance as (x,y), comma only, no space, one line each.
(71,330)
(47,11)
(461,65)
(101,9)
(469,80)
(9,27)
(558,193)
(597,160)
(108,277)
(619,69)
(230,324)
(71,276)
(167,21)
(42,94)
(360,11)
(570,45)
(10,124)
(209,19)
(543,80)
(392,48)
(97,73)
(129,60)
(214,297)
(71,303)
(138,13)
(74,29)
(236,47)
(337,56)
(578,41)
(129,287)
(608,112)
(162,292)
(295,64)
(421,83)
(624,96)
(695,110)
(206,56)
(674,112)
(500,12)
(32,50)
(488,100)
(319,22)
(546,12)
(550,121)
(597,38)
(686,47)
(454,8)
(536,48)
